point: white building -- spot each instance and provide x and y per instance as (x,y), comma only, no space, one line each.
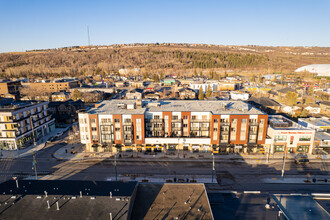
(239,96)
(196,86)
(289,136)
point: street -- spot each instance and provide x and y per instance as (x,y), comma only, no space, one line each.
(230,175)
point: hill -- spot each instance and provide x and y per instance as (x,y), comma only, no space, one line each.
(159,58)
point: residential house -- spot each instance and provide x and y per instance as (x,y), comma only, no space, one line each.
(187,93)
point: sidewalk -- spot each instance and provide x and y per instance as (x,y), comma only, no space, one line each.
(288,180)
(64,153)
(9,154)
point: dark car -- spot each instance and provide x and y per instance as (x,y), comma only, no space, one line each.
(302,160)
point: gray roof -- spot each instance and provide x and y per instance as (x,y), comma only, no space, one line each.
(215,107)
(264,101)
(319,122)
(322,136)
(285,90)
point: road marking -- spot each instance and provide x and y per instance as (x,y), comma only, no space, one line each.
(252,192)
(9,157)
(274,178)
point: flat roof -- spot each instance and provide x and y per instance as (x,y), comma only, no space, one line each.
(319,122)
(300,207)
(215,107)
(279,122)
(30,202)
(323,136)
(171,200)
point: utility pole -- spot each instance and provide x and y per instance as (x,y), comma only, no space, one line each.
(34,164)
(283,167)
(89,41)
(213,167)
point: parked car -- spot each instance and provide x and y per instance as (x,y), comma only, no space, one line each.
(302,160)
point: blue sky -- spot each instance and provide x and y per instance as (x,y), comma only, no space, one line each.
(38,24)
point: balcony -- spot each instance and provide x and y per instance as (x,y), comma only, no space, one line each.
(224,141)
(194,128)
(224,123)
(204,128)
(200,120)
(253,123)
(252,132)
(106,132)
(157,129)
(127,123)
(156,120)
(176,128)
(128,141)
(106,123)
(176,120)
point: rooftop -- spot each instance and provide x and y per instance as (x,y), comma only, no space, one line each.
(280,122)
(171,201)
(215,107)
(319,122)
(29,201)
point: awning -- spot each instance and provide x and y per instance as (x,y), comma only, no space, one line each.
(196,146)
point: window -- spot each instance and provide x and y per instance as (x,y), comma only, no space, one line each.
(243,130)
(215,129)
(94,129)
(280,138)
(117,129)
(204,117)
(185,117)
(304,138)
(175,117)
(194,117)
(117,120)
(215,120)
(94,137)
(93,120)
(185,125)
(156,117)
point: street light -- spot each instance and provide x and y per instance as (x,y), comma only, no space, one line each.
(283,167)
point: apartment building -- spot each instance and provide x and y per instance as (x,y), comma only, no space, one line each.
(55,86)
(190,125)
(22,123)
(289,136)
(10,88)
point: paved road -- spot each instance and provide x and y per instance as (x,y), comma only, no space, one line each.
(233,175)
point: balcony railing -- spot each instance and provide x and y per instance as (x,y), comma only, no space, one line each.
(200,120)
(176,128)
(156,120)
(127,123)
(253,123)
(224,123)
(176,120)
(204,128)
(157,129)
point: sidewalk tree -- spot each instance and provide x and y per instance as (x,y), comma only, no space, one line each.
(201,93)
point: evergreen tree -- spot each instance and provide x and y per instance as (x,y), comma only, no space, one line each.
(201,93)
(208,91)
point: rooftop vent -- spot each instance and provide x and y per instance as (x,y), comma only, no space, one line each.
(153,104)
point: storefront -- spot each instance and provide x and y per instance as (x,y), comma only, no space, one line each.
(148,148)
(206,148)
(172,147)
(158,148)
(129,148)
(195,148)
(303,148)
(279,148)
(185,147)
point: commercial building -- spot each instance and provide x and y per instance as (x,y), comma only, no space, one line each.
(22,123)
(318,124)
(10,88)
(190,125)
(288,136)
(63,85)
